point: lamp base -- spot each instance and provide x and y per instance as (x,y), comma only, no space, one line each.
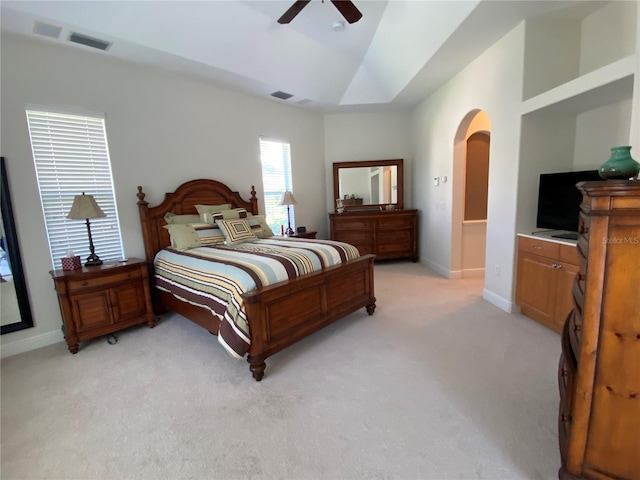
(289,231)
(93,260)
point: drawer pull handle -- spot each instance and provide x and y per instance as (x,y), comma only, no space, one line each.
(536,247)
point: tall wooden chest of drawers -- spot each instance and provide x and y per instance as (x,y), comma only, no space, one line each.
(599,372)
(103,299)
(387,234)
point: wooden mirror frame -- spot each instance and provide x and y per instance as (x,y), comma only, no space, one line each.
(13,252)
(398,162)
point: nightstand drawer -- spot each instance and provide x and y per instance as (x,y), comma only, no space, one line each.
(83,284)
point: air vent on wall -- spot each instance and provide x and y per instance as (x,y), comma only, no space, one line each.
(46,30)
(281,95)
(89,42)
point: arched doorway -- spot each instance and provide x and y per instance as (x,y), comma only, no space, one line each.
(470,191)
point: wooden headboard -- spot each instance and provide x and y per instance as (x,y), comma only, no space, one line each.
(183,202)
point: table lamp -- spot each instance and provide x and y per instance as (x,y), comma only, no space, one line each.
(288,200)
(85,207)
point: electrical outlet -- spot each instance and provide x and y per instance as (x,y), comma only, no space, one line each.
(497,270)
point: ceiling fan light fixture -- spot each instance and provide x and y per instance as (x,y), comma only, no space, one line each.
(338,26)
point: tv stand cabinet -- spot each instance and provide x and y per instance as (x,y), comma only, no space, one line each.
(546,270)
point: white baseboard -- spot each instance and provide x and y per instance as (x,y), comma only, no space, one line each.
(28,344)
(439,269)
(473,272)
(498,301)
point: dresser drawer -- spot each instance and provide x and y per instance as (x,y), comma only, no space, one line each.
(103,281)
(569,254)
(394,223)
(387,236)
(353,236)
(540,247)
(395,247)
(349,224)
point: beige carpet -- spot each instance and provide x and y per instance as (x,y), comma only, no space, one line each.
(438,384)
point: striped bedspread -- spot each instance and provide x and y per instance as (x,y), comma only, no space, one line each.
(216,277)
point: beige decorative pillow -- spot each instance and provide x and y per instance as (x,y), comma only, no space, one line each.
(183,236)
(172,218)
(236,231)
(202,209)
(263,230)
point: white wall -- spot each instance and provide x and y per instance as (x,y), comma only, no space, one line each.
(493,83)
(597,131)
(162,128)
(618,17)
(367,136)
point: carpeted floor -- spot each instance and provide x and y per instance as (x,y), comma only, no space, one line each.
(438,384)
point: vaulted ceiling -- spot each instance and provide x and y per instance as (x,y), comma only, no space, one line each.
(395,56)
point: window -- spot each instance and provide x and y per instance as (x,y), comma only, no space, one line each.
(71,156)
(275,156)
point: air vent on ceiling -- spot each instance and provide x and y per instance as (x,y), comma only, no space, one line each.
(46,30)
(89,42)
(281,95)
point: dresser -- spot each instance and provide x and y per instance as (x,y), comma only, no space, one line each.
(599,370)
(388,234)
(103,299)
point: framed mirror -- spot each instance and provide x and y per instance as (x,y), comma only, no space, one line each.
(369,185)
(15,308)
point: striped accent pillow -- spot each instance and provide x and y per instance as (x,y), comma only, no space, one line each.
(233,213)
(236,231)
(209,234)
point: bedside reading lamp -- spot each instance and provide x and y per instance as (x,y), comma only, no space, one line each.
(288,200)
(85,207)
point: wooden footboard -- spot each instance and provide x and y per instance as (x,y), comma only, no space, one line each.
(282,314)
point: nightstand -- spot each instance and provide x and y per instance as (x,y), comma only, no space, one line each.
(103,299)
(303,235)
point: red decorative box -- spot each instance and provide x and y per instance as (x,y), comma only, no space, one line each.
(71,263)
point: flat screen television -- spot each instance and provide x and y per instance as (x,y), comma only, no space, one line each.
(559,200)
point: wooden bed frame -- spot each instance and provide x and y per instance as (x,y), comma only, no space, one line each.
(279,315)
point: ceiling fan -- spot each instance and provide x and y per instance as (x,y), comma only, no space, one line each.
(348,10)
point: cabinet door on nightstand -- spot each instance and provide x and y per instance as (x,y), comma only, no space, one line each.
(91,310)
(128,301)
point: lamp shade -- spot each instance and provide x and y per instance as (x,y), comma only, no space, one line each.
(85,206)
(287,198)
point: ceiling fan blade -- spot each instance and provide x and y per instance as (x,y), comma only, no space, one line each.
(293,11)
(348,10)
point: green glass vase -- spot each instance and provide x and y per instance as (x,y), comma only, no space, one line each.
(620,166)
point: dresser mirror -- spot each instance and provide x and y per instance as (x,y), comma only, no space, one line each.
(368,185)
(15,309)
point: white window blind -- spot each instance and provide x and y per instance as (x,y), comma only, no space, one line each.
(275,156)
(71,156)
